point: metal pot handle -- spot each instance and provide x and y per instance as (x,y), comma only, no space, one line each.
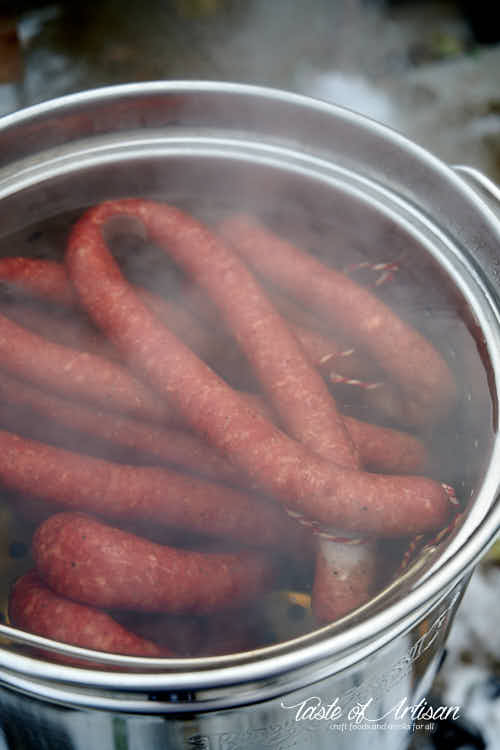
(479,181)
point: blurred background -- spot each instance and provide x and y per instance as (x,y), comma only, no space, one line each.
(429,69)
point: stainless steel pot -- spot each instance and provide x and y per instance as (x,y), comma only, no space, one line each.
(326,171)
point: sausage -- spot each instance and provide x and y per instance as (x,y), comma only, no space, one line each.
(72,331)
(144,493)
(75,373)
(344,573)
(427,385)
(91,562)
(37,609)
(40,278)
(385,450)
(356,501)
(344,577)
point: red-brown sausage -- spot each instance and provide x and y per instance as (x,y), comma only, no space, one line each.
(298,393)
(78,374)
(37,609)
(388,451)
(409,360)
(91,562)
(144,493)
(40,278)
(347,499)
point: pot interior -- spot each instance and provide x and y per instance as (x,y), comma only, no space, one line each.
(347,222)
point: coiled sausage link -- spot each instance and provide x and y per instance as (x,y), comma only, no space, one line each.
(39,278)
(345,498)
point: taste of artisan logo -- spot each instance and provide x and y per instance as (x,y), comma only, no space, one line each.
(402,715)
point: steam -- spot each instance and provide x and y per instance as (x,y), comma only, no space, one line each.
(351,91)
(341,52)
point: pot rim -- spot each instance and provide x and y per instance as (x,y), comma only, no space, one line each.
(372,633)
